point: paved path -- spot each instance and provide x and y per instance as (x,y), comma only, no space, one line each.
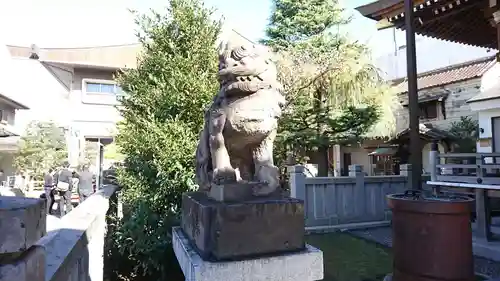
(383,236)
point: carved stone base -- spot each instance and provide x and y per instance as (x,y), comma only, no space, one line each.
(233,231)
(239,191)
(306,265)
(231,192)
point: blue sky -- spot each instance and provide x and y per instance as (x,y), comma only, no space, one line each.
(67,23)
(73,23)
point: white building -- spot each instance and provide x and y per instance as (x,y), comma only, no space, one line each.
(9,108)
(73,87)
(487,106)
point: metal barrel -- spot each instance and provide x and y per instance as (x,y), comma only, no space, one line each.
(432,238)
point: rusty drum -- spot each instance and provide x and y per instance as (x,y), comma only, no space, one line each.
(432,237)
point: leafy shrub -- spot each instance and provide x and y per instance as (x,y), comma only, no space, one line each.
(175,79)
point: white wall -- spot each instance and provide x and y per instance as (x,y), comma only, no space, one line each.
(37,88)
(5,75)
(425,156)
(54,94)
(359,156)
(93,115)
(485,124)
(487,109)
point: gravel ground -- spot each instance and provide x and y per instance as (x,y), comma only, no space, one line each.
(383,235)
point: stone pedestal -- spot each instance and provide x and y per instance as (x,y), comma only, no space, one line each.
(22,224)
(238,230)
(306,265)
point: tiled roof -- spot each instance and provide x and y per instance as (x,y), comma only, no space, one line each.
(426,131)
(447,75)
(11,102)
(119,56)
(116,56)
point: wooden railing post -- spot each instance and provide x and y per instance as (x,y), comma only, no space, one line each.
(483,210)
(297,181)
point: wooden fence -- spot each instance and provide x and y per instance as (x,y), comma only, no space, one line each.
(475,173)
(341,202)
(468,168)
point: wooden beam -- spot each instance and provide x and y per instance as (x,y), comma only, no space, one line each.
(397,9)
(384,24)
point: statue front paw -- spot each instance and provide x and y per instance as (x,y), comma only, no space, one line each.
(270,176)
(226,175)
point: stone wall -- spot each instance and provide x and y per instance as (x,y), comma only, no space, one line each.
(70,248)
(455,104)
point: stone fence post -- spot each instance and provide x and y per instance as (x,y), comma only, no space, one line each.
(434,160)
(297,181)
(405,170)
(22,224)
(356,171)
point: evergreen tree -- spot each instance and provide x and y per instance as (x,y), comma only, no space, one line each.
(293,21)
(328,79)
(175,79)
(42,146)
(466,132)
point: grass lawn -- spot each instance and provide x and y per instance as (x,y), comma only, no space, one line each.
(347,258)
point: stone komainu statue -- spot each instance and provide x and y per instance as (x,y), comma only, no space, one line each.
(236,143)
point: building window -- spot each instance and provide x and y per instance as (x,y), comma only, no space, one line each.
(428,110)
(102,87)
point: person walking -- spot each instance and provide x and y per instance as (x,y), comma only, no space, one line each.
(85,183)
(48,185)
(64,186)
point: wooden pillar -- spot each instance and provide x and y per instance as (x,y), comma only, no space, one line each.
(483,210)
(411,68)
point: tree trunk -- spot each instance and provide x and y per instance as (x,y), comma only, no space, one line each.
(323,161)
(322,153)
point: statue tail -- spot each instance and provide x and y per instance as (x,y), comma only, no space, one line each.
(204,161)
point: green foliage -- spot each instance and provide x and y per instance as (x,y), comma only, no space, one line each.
(300,129)
(328,79)
(42,146)
(466,132)
(175,79)
(293,21)
(113,152)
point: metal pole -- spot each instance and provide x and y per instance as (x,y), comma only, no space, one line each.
(411,67)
